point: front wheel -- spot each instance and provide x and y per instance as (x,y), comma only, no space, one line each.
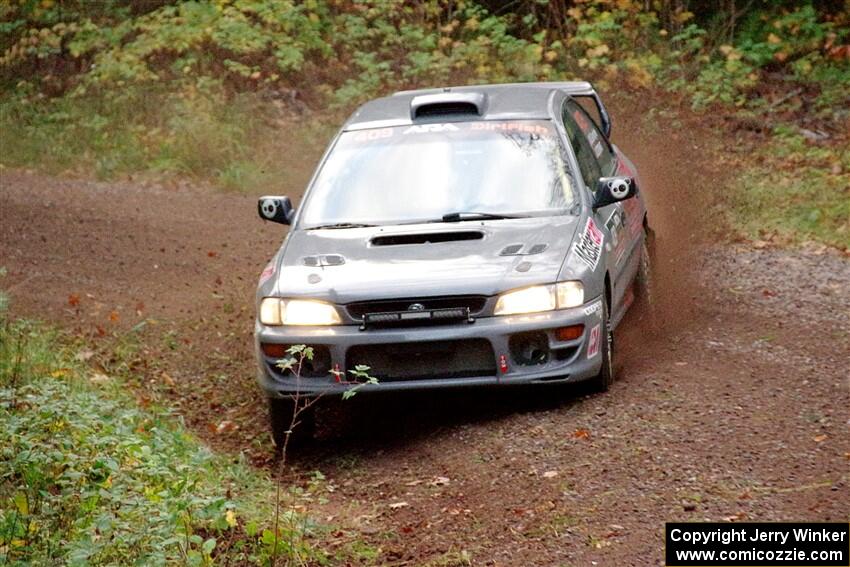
(299,430)
(602,381)
(645,288)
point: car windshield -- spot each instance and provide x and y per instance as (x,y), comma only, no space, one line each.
(430,171)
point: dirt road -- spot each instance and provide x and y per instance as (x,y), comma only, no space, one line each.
(740,410)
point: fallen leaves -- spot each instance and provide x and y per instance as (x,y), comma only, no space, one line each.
(98,378)
(225,426)
(74,300)
(581,433)
(399,505)
(166,377)
(436,481)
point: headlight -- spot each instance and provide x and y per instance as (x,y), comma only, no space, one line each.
(270,311)
(570,294)
(540,298)
(274,311)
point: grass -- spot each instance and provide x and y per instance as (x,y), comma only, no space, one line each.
(799,192)
(237,142)
(88,476)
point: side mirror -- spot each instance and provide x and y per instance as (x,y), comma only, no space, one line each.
(614,189)
(276,209)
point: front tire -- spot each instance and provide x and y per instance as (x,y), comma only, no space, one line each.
(281,411)
(645,284)
(603,381)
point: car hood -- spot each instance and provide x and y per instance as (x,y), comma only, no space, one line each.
(470,257)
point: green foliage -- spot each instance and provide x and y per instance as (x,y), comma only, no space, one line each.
(794,43)
(88,477)
(346,52)
(274,44)
(398,46)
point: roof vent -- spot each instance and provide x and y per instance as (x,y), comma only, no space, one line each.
(447,103)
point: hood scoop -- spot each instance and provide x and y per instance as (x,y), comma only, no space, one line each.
(323,260)
(522,250)
(426,237)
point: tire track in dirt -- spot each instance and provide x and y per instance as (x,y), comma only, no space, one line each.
(719,418)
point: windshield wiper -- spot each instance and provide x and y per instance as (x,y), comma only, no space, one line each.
(341,225)
(462,216)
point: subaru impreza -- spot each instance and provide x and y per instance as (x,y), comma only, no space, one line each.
(457,237)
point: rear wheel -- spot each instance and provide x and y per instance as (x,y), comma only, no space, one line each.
(602,381)
(281,412)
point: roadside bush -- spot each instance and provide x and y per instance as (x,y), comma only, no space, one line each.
(272,45)
(328,50)
(87,476)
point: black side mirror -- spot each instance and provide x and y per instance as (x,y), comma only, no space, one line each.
(276,209)
(614,189)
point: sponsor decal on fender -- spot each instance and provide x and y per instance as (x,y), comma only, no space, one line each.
(593,342)
(595,308)
(588,249)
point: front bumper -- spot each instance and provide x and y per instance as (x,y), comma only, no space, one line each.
(566,361)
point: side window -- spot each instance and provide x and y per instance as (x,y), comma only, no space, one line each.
(590,170)
(599,146)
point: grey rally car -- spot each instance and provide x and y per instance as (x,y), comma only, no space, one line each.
(465,236)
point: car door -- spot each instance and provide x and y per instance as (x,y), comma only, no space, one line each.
(597,158)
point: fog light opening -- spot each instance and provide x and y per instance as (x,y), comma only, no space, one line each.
(529,349)
(320,365)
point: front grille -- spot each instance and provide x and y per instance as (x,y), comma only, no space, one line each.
(423,360)
(416,318)
(475,303)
